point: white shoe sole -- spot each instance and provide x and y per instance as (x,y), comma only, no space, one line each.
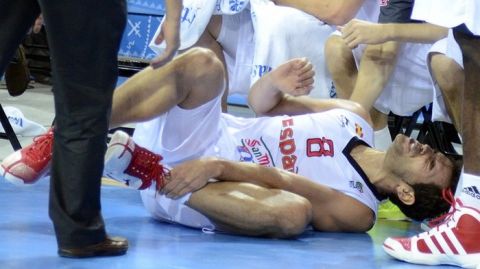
(465,261)
(19,181)
(11,178)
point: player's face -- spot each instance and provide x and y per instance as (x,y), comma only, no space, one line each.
(418,163)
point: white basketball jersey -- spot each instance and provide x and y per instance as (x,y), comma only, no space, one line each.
(237,40)
(316,146)
(449,13)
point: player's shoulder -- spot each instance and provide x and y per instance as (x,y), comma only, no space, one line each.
(354,108)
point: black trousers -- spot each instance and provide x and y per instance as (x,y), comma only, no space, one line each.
(84,37)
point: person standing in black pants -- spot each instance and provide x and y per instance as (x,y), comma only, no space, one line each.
(84,37)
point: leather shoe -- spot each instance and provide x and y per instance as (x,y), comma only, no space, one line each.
(112,246)
(17,75)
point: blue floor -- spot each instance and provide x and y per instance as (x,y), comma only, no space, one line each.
(27,240)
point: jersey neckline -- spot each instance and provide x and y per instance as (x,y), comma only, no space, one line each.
(355,141)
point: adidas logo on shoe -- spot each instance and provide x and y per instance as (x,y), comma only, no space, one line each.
(472,191)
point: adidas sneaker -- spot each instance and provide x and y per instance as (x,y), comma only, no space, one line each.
(28,165)
(133,165)
(455,241)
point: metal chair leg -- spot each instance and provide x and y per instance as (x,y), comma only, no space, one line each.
(9,133)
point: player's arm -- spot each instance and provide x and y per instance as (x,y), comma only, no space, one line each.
(414,32)
(170,33)
(283,92)
(332,210)
(358,32)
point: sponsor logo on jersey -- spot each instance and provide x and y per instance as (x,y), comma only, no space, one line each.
(260,70)
(344,121)
(287,146)
(188,16)
(236,5)
(359,130)
(245,154)
(356,185)
(255,151)
(333,91)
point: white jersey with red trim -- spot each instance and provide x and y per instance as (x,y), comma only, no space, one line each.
(316,146)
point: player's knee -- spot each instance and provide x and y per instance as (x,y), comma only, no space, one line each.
(336,54)
(292,219)
(447,72)
(381,54)
(202,63)
(198,60)
(336,46)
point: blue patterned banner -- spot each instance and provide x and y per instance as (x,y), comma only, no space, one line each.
(148,7)
(138,33)
(143,20)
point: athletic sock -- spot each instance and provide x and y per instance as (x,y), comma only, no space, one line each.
(469,192)
(383,140)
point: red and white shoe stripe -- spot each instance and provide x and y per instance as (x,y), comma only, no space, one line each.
(442,242)
(455,242)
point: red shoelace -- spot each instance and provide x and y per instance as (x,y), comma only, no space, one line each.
(146,166)
(41,149)
(445,218)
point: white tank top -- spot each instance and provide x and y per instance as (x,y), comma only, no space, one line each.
(237,39)
(316,146)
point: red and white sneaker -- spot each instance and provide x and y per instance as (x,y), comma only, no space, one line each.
(133,165)
(456,241)
(429,224)
(28,165)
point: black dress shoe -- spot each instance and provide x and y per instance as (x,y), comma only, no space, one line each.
(112,246)
(17,75)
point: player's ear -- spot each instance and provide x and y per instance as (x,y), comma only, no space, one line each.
(405,193)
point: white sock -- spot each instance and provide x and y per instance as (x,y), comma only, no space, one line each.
(383,140)
(469,191)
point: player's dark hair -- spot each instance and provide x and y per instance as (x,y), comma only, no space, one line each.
(429,202)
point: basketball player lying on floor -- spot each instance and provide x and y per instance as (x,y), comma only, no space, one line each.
(268,176)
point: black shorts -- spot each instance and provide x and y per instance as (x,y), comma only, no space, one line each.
(462,28)
(396,11)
